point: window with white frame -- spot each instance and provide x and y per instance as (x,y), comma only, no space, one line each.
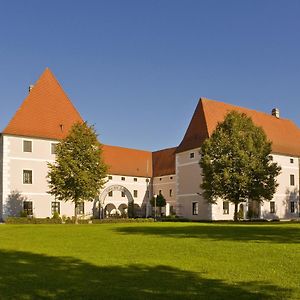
(53,148)
(27,146)
(135,179)
(195,208)
(292,179)
(272,207)
(123,178)
(225,207)
(80,208)
(28,208)
(292,207)
(55,207)
(135,193)
(110,193)
(122,194)
(27,176)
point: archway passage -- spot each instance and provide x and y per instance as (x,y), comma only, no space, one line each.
(124,209)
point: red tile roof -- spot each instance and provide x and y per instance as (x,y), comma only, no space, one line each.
(129,162)
(283,133)
(46,112)
(163,162)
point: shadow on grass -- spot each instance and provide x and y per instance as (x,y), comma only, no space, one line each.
(26,275)
(232,232)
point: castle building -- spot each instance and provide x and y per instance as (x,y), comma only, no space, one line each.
(134,176)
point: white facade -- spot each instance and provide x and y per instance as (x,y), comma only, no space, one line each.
(192,205)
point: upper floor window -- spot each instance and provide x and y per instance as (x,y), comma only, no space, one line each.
(27,207)
(135,193)
(171,177)
(53,148)
(110,193)
(123,178)
(291,160)
(27,146)
(192,155)
(292,179)
(109,177)
(225,207)
(195,206)
(122,194)
(272,207)
(27,176)
(134,179)
(147,179)
(160,179)
(170,192)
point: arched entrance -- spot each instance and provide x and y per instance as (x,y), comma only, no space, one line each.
(100,205)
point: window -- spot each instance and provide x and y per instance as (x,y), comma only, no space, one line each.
(147,180)
(27,207)
(171,177)
(292,179)
(110,193)
(272,207)
(123,178)
(225,207)
(109,177)
(123,194)
(134,179)
(292,207)
(170,192)
(291,160)
(80,208)
(27,146)
(55,207)
(160,179)
(53,148)
(159,192)
(27,176)
(195,208)
(270,157)
(192,155)
(135,193)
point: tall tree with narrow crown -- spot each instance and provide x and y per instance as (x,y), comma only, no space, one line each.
(79,171)
(236,162)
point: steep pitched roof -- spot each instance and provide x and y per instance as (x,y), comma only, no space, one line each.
(46,112)
(163,162)
(283,133)
(125,161)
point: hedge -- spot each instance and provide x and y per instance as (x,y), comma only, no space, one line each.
(25,220)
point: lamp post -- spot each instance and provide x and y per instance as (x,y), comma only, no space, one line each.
(154,196)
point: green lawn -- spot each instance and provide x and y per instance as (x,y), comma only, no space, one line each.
(150,261)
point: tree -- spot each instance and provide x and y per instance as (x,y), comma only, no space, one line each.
(79,172)
(160,202)
(236,163)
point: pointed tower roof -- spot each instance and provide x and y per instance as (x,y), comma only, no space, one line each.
(283,133)
(46,112)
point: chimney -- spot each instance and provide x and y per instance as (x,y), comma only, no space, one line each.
(275,112)
(30,88)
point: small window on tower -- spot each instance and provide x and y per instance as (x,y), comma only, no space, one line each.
(27,146)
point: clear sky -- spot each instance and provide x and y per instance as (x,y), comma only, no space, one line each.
(136,69)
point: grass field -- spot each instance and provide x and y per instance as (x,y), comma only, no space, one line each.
(150,261)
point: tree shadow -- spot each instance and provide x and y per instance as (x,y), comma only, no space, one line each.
(269,233)
(26,275)
(14,204)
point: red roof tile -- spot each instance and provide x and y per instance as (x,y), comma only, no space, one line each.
(283,133)
(46,112)
(163,162)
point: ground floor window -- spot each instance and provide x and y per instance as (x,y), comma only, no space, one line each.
(55,207)
(272,207)
(27,207)
(80,208)
(195,208)
(292,207)
(225,207)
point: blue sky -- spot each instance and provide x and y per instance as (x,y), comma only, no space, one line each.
(136,69)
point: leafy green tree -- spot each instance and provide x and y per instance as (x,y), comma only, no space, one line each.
(79,172)
(160,202)
(236,162)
